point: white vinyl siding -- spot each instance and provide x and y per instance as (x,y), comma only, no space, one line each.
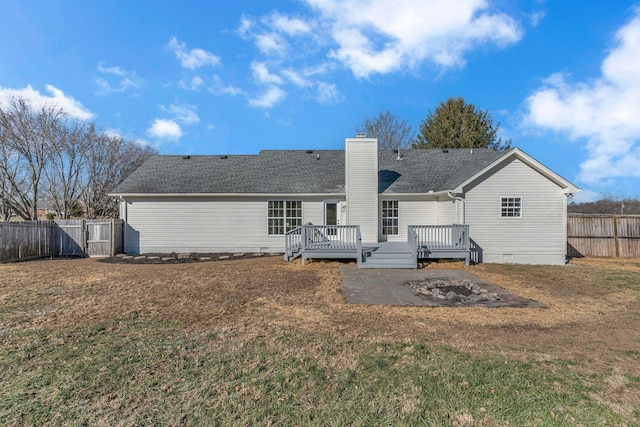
(361,186)
(414,210)
(448,211)
(206,224)
(538,237)
(283,215)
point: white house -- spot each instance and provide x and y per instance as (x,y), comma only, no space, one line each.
(511,207)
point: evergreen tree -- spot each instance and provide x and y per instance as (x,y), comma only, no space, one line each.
(456,124)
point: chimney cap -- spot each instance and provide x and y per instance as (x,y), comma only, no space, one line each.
(361,135)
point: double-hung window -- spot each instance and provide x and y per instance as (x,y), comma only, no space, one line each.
(390,217)
(283,215)
(511,207)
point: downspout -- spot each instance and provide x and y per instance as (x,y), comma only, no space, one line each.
(123,212)
(461,200)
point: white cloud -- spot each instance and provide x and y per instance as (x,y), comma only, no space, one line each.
(117,133)
(118,71)
(296,78)
(123,79)
(269,35)
(262,75)
(378,36)
(246,25)
(269,98)
(195,84)
(287,25)
(536,17)
(183,113)
(271,43)
(327,93)
(367,37)
(586,196)
(194,58)
(165,129)
(604,112)
(113,133)
(219,88)
(69,105)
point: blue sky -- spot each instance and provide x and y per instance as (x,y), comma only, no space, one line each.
(562,78)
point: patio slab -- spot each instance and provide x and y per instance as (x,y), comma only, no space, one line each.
(387,287)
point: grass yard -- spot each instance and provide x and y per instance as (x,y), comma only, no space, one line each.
(265,342)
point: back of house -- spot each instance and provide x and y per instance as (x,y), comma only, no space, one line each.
(513,207)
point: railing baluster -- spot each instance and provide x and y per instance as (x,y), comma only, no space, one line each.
(442,237)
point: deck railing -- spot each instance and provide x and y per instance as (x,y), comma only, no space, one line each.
(441,237)
(293,243)
(412,238)
(323,238)
(345,241)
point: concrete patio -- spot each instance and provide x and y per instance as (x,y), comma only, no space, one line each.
(387,287)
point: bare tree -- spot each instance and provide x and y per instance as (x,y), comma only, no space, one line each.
(609,204)
(66,165)
(110,160)
(8,176)
(392,133)
(43,154)
(26,137)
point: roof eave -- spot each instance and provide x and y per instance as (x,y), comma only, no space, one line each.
(416,194)
(152,195)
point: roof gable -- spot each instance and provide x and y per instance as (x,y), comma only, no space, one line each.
(567,186)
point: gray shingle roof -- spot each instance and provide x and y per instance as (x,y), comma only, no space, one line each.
(301,171)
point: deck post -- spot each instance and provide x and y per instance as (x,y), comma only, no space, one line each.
(412,240)
(304,241)
(358,246)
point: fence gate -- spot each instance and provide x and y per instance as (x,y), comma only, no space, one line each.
(98,238)
(69,237)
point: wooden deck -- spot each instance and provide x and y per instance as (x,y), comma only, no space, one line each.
(442,241)
(345,242)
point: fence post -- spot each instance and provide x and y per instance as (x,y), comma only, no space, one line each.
(85,237)
(112,234)
(616,240)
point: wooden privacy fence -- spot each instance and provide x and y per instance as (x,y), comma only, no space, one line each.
(603,235)
(24,240)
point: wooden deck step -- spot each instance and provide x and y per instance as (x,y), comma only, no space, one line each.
(389,255)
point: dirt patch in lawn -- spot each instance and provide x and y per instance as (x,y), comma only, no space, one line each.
(182,258)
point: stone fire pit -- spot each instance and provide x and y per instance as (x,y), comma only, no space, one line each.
(456,292)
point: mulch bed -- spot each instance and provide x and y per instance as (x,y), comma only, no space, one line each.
(182,258)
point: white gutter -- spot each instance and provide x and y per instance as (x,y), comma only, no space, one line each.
(121,195)
(122,199)
(124,226)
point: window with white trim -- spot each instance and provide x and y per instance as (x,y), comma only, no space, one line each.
(511,207)
(283,215)
(390,217)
